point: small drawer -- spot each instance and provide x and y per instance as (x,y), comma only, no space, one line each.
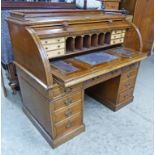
(55,53)
(68,125)
(67,100)
(59,90)
(116,36)
(52,41)
(125,85)
(117,41)
(51,47)
(125,95)
(129,74)
(67,112)
(118,31)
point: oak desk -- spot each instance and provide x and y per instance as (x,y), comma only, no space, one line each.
(60,54)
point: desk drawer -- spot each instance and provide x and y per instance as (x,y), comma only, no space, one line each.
(129,74)
(68,100)
(52,40)
(117,41)
(50,47)
(59,91)
(116,36)
(125,85)
(55,53)
(67,112)
(68,125)
(118,31)
(125,95)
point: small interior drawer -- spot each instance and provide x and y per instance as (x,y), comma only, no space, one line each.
(116,36)
(67,112)
(51,47)
(52,41)
(55,53)
(67,100)
(118,31)
(68,125)
(117,41)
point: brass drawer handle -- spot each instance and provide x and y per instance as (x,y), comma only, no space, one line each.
(67,90)
(46,42)
(58,46)
(68,113)
(125,96)
(46,48)
(129,75)
(68,125)
(68,102)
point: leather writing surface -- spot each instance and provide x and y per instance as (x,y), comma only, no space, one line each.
(63,66)
(96,58)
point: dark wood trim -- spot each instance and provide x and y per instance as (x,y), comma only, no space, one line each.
(37,5)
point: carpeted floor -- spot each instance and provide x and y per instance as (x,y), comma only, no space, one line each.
(126,132)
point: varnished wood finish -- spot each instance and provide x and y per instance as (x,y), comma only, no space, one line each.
(53,98)
(143,18)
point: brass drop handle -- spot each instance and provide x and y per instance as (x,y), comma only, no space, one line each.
(46,48)
(67,90)
(68,113)
(68,125)
(125,96)
(68,102)
(46,42)
(58,46)
(129,75)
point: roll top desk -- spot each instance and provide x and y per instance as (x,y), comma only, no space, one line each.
(60,54)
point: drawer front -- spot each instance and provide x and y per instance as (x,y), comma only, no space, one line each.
(125,95)
(68,125)
(101,78)
(67,112)
(51,47)
(116,36)
(67,100)
(129,74)
(52,41)
(111,5)
(118,31)
(117,41)
(125,85)
(55,53)
(59,91)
